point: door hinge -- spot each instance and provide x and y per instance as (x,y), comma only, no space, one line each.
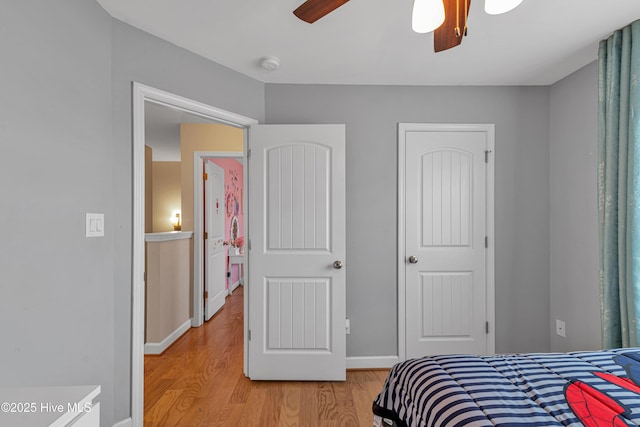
(249,243)
(486,327)
(205,235)
(145,277)
(249,334)
(206,295)
(205,176)
(249,153)
(486,241)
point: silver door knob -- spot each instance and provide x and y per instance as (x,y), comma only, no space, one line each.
(413,260)
(337,265)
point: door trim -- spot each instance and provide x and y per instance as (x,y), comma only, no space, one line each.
(198,229)
(489,129)
(141,94)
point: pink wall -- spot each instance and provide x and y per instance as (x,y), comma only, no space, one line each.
(233,192)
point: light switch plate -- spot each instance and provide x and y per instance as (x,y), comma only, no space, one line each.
(95,225)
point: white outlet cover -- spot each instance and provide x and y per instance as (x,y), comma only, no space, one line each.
(94,225)
(560,328)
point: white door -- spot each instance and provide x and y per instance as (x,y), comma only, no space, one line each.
(296,283)
(215,274)
(446,234)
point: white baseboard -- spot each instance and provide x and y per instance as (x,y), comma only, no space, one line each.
(194,322)
(124,423)
(234,286)
(158,348)
(375,362)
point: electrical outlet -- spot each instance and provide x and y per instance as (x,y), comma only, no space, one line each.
(560,328)
(348,326)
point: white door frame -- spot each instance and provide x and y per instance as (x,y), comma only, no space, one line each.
(142,94)
(198,229)
(489,129)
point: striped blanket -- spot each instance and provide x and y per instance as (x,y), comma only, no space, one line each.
(591,389)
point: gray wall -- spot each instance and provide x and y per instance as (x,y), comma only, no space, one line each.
(56,285)
(371,114)
(574,220)
(65,126)
(140,57)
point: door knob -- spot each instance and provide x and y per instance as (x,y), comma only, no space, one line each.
(413,260)
(337,265)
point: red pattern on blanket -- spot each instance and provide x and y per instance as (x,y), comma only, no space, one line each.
(595,408)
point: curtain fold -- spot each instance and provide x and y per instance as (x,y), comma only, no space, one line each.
(619,186)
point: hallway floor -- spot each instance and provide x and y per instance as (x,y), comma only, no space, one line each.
(198,381)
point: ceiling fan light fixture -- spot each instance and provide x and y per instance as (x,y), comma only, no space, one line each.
(496,7)
(427,15)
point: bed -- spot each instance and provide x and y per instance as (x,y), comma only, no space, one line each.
(594,389)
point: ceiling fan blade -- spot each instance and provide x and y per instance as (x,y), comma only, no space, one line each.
(312,10)
(445,37)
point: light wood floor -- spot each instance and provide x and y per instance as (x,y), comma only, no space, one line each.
(198,381)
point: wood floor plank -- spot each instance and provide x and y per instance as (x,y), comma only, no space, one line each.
(199,382)
(290,410)
(240,391)
(157,415)
(231,415)
(252,413)
(309,414)
(272,404)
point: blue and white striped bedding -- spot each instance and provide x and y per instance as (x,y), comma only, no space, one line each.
(505,390)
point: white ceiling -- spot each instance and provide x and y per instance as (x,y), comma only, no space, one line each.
(162,130)
(371,41)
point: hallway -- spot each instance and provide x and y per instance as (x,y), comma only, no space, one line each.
(198,382)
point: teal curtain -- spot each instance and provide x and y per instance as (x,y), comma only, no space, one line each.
(619,186)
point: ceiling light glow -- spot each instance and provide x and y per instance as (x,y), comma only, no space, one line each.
(427,15)
(496,7)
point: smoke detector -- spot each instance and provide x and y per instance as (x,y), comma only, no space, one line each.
(270,63)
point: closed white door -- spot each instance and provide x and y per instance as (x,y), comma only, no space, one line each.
(215,274)
(297,263)
(446,239)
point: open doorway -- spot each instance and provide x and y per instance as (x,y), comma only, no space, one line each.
(219,179)
(191,195)
(143,97)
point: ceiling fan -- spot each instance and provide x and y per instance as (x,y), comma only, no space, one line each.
(446,18)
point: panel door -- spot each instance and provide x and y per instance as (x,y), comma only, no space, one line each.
(296,283)
(215,273)
(445,263)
